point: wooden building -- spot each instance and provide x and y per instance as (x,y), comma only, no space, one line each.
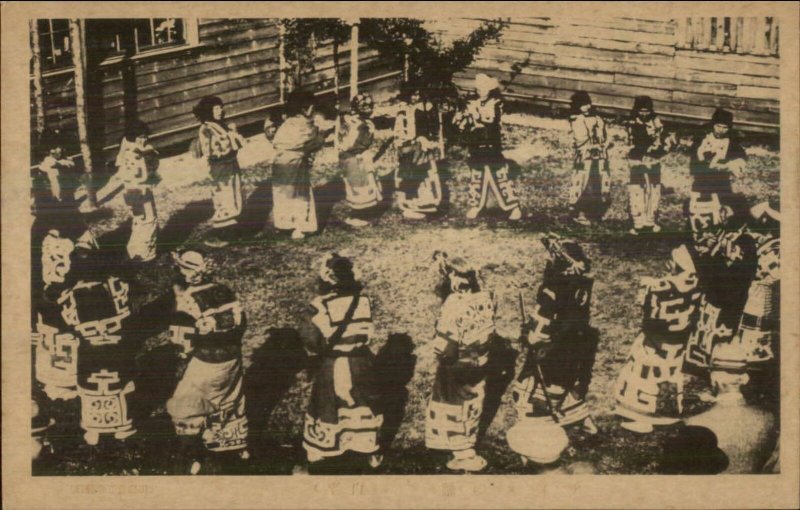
(157,69)
(688,66)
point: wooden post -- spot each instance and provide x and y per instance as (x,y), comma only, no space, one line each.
(336,92)
(38,90)
(281,62)
(680,32)
(773,37)
(760,32)
(354,59)
(719,42)
(78,43)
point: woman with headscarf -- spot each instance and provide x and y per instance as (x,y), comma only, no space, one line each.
(207,323)
(464,334)
(296,141)
(591,183)
(480,123)
(650,144)
(342,413)
(217,144)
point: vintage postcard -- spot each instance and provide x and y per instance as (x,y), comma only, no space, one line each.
(400,255)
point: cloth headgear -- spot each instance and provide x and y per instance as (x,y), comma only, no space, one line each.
(722,116)
(191,260)
(683,268)
(567,255)
(485,83)
(542,443)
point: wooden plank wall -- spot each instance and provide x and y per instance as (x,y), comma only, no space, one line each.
(543,61)
(237,59)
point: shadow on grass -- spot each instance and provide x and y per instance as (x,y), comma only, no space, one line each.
(177,230)
(394,368)
(500,372)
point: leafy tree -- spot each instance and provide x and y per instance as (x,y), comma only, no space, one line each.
(300,40)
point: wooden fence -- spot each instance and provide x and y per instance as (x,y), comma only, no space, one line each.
(689,66)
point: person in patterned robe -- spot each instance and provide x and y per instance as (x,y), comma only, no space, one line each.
(464,333)
(342,413)
(417,176)
(55,343)
(480,124)
(218,142)
(590,189)
(296,141)
(727,264)
(99,313)
(554,380)
(650,144)
(362,187)
(137,164)
(759,329)
(649,389)
(208,404)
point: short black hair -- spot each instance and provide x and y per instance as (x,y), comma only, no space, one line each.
(203,110)
(135,129)
(298,101)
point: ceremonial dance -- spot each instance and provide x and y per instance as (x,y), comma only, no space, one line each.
(430,276)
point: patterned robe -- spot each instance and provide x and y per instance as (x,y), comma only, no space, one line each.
(759,329)
(208,324)
(650,385)
(341,414)
(463,335)
(363,190)
(488,167)
(99,313)
(644,190)
(726,268)
(564,348)
(295,142)
(590,189)
(417,176)
(137,173)
(219,145)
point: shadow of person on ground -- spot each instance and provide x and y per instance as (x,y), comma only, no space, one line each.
(394,368)
(181,224)
(500,372)
(256,212)
(274,368)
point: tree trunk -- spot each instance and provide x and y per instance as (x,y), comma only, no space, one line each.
(38,95)
(79,61)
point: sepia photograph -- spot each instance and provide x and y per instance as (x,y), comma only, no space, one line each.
(484,244)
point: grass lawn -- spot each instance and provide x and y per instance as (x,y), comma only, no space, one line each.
(275,277)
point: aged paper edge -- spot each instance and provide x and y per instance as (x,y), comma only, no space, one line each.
(21,490)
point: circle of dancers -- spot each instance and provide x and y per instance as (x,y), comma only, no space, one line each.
(713,312)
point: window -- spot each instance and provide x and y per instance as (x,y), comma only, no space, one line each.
(54,43)
(108,38)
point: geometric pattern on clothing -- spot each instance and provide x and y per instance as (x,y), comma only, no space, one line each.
(497,179)
(356,430)
(643,391)
(103,410)
(531,403)
(454,427)
(228,201)
(708,333)
(56,361)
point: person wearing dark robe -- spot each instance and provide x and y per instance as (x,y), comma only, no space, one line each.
(480,125)
(554,380)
